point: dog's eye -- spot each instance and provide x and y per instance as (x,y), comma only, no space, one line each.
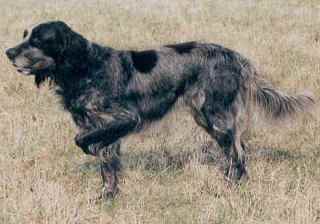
(25,33)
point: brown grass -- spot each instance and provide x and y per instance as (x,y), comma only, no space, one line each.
(44,178)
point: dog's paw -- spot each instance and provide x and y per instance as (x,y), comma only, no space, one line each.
(237,174)
(109,195)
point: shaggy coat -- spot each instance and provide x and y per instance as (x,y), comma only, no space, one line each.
(112,93)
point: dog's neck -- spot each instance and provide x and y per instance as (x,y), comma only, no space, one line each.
(78,64)
(74,63)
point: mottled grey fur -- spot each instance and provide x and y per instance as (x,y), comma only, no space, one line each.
(112,93)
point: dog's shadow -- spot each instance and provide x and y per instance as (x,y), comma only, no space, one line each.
(175,160)
(275,155)
(164,160)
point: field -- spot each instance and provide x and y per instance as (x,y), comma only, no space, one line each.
(45,178)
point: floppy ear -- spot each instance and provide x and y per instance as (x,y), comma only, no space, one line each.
(73,51)
(77,45)
(49,35)
(74,45)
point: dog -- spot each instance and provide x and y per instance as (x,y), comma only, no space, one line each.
(112,93)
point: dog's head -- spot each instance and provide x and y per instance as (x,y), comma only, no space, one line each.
(42,49)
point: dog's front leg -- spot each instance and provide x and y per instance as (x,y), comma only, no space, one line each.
(110,167)
(104,143)
(112,126)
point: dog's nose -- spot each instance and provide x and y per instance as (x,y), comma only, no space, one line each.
(11,53)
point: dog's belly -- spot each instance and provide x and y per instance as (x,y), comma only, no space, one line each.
(155,107)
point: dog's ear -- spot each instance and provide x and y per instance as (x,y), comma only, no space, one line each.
(74,43)
(74,48)
(50,35)
(78,44)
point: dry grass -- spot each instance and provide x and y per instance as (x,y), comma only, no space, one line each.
(44,178)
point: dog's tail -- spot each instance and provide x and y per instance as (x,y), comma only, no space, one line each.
(276,103)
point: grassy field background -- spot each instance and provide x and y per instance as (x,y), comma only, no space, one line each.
(45,178)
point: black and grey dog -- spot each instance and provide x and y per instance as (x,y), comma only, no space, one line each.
(112,93)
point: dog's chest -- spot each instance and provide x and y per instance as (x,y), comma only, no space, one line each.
(91,100)
(86,100)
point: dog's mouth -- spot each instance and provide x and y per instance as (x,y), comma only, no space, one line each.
(35,67)
(23,70)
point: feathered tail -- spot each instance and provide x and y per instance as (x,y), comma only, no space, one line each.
(278,104)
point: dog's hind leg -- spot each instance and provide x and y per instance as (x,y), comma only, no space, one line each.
(240,118)
(230,142)
(225,126)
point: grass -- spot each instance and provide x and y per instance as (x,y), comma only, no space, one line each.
(44,178)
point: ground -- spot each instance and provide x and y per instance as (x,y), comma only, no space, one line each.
(45,178)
